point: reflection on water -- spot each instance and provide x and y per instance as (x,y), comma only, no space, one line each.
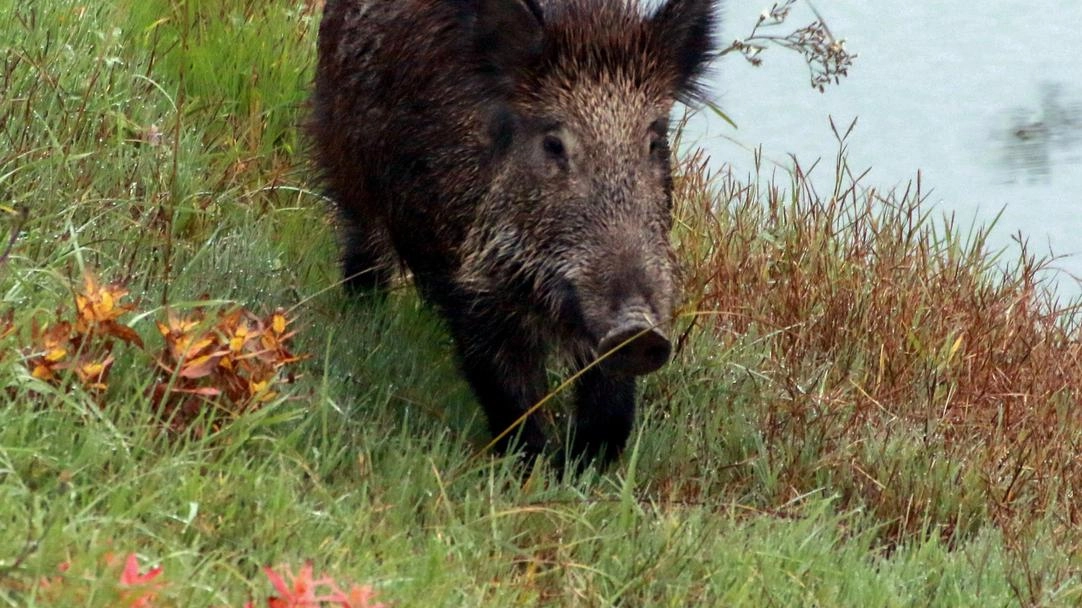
(1035,140)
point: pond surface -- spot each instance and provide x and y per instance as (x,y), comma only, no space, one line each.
(985,99)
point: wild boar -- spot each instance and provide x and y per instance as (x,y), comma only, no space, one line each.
(513,155)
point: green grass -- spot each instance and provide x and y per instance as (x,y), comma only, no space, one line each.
(783,459)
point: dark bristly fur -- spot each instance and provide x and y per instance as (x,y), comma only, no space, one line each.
(513,154)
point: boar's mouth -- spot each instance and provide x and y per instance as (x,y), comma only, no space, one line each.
(630,336)
(635,345)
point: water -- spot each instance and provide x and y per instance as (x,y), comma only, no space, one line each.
(985,99)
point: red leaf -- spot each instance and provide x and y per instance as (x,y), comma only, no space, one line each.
(130,576)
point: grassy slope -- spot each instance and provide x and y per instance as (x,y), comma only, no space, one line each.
(134,137)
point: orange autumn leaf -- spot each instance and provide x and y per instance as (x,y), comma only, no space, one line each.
(98,309)
(51,337)
(199,367)
(99,303)
(177,325)
(275,346)
(93,373)
(259,391)
(239,338)
(185,347)
(43,372)
(54,343)
(92,368)
(121,331)
(279,322)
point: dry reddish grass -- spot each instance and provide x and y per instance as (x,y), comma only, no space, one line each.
(882,320)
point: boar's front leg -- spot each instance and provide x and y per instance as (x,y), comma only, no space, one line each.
(604,414)
(506,371)
(367,261)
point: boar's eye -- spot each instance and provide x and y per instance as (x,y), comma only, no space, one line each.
(554,147)
(657,144)
(657,137)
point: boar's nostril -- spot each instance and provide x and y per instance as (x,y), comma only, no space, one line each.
(644,348)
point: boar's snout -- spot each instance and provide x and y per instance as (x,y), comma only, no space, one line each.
(642,346)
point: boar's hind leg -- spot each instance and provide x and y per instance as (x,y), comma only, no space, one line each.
(604,413)
(507,374)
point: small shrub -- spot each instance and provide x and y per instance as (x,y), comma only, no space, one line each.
(230,366)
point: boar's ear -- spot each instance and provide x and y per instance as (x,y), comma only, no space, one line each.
(686,29)
(508,34)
